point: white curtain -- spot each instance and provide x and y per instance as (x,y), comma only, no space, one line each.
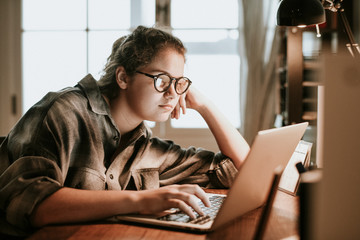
(259,43)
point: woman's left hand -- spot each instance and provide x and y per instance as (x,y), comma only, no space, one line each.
(191,99)
(181,104)
(231,143)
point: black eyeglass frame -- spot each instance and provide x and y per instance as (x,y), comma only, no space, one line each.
(155,77)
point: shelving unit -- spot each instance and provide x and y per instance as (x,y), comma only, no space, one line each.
(298,69)
(297,80)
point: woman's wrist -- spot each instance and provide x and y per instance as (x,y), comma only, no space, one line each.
(134,203)
(204,109)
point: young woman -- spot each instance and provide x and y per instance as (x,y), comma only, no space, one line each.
(78,154)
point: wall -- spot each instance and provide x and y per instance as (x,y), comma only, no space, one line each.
(337,200)
(10,64)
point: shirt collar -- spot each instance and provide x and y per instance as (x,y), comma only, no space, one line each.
(99,106)
(142,130)
(97,102)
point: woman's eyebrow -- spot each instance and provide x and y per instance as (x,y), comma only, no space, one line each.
(159,71)
(156,71)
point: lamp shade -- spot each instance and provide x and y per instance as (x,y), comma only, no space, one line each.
(300,12)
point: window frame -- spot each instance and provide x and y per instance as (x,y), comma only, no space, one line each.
(183,136)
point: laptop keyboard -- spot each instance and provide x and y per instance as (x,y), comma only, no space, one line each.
(209,212)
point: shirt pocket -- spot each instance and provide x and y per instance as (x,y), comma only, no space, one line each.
(85,178)
(146,178)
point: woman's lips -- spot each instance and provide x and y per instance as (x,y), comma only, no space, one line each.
(167,107)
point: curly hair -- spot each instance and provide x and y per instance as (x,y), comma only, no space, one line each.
(133,51)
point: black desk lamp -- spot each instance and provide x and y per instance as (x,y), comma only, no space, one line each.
(302,13)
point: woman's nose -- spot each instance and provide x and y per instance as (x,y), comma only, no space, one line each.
(171,91)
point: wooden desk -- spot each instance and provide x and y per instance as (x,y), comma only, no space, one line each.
(282,224)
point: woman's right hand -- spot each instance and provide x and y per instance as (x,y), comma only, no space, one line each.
(173,196)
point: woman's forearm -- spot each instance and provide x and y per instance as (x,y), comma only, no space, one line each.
(230,141)
(69,205)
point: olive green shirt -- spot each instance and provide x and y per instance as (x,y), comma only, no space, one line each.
(69,139)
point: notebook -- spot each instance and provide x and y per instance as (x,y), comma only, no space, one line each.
(271,148)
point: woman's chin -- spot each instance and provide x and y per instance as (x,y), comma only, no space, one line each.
(161,118)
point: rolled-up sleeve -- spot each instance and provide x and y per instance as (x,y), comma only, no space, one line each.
(223,174)
(28,181)
(66,139)
(194,165)
(33,167)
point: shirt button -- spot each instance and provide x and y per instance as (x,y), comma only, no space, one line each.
(111,176)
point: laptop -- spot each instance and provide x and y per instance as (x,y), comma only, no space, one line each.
(271,148)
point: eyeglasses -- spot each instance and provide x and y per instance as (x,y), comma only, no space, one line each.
(162,82)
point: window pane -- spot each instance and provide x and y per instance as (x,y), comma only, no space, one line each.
(100,45)
(202,36)
(53,14)
(216,76)
(55,56)
(51,61)
(204,14)
(146,16)
(215,50)
(109,14)
(209,41)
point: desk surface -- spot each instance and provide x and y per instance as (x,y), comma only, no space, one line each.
(282,224)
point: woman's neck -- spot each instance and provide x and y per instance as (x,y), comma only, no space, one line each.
(122,117)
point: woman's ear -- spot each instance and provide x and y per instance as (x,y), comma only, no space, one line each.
(121,77)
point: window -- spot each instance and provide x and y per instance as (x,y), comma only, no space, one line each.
(63,40)
(213,62)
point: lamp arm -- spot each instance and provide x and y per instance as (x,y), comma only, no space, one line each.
(335,6)
(352,46)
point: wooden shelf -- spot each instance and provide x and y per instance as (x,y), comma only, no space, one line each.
(310,84)
(309,116)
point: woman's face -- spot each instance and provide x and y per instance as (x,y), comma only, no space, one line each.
(144,101)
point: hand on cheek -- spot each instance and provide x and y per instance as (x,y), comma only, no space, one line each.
(180,105)
(176,112)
